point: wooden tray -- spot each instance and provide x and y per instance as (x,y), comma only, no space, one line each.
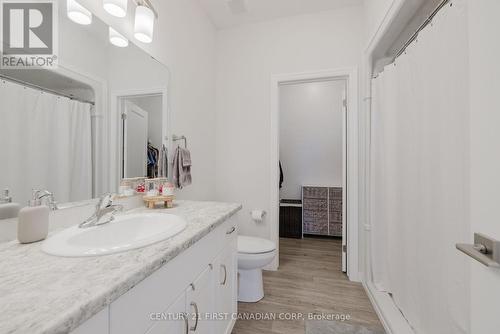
(152,200)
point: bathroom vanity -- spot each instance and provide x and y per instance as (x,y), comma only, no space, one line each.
(185,284)
(92,122)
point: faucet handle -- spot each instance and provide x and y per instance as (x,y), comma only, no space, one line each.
(104,201)
(47,196)
(50,201)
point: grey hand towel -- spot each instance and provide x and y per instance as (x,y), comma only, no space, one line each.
(186,157)
(181,168)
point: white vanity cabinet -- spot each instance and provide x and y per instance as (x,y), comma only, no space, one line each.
(194,293)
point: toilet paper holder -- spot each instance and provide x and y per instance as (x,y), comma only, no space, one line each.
(259,214)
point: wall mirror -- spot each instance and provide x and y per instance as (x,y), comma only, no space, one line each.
(77,129)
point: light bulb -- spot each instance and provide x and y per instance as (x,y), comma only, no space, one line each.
(144,24)
(117,39)
(77,13)
(116,8)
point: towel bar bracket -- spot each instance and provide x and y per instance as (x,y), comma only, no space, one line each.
(177,138)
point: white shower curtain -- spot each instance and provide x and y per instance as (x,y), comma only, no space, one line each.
(419,189)
(45,144)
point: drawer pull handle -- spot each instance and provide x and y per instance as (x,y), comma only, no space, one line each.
(231,230)
(195,306)
(225,274)
(186,322)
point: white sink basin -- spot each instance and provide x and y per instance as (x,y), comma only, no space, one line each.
(124,233)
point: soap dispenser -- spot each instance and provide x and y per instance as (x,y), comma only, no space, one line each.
(7,208)
(33,220)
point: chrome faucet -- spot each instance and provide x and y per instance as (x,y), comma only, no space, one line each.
(5,198)
(50,202)
(104,207)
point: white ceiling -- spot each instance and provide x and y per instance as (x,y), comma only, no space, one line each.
(223,16)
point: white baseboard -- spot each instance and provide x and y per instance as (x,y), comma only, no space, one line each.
(390,316)
(355,277)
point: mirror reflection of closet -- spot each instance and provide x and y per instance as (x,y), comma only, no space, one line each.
(144,152)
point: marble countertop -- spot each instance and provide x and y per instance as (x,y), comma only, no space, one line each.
(40,293)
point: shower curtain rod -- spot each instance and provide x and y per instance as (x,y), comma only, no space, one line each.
(422,26)
(43,89)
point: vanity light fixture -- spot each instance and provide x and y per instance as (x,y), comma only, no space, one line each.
(77,13)
(117,39)
(144,23)
(116,8)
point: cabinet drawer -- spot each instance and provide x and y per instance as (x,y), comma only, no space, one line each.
(335,216)
(313,204)
(336,205)
(336,193)
(316,227)
(315,192)
(335,229)
(200,303)
(315,216)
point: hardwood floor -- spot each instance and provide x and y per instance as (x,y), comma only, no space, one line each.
(309,280)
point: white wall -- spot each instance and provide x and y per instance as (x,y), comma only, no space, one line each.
(81,48)
(184,41)
(375,12)
(247,56)
(311,135)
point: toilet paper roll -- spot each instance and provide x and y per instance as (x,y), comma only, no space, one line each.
(258,215)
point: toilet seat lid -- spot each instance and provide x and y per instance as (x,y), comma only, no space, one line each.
(252,245)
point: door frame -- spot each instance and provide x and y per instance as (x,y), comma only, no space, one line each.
(116,132)
(349,74)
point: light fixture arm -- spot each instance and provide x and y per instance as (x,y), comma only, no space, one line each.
(148,4)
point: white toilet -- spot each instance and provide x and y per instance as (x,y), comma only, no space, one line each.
(253,255)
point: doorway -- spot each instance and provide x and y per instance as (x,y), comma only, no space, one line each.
(313,162)
(334,195)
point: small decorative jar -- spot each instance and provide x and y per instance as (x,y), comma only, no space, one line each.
(139,185)
(126,187)
(168,189)
(151,188)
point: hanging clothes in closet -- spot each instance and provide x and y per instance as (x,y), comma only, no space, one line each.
(157,161)
(153,160)
(163,162)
